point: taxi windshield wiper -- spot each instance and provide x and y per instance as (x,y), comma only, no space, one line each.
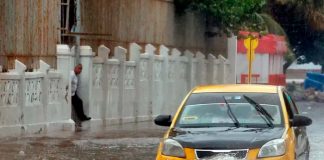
(231,114)
(268,118)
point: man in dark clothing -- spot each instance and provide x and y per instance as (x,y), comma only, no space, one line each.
(76,101)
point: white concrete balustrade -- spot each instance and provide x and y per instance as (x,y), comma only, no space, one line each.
(153,81)
(32,102)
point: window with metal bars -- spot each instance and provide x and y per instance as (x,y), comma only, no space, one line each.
(68,17)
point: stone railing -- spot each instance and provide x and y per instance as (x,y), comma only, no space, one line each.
(116,90)
(31,102)
(113,90)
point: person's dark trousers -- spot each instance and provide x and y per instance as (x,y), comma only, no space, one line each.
(78,107)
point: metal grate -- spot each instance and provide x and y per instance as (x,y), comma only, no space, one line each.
(209,154)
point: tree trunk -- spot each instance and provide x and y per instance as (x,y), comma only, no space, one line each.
(286,65)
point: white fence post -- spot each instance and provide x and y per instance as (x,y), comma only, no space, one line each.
(99,87)
(144,88)
(174,85)
(201,68)
(128,113)
(20,69)
(221,69)
(232,54)
(150,49)
(104,53)
(164,52)
(157,84)
(190,73)
(56,100)
(64,66)
(44,68)
(112,107)
(228,75)
(183,76)
(134,55)
(85,78)
(120,55)
(210,69)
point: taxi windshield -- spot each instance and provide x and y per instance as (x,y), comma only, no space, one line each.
(230,110)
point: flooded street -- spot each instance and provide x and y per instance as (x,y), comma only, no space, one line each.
(222,67)
(129,141)
(316,130)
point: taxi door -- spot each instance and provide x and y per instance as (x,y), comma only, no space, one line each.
(301,144)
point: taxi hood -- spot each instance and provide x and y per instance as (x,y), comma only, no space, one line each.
(225,138)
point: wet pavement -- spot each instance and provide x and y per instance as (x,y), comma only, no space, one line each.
(129,141)
(118,142)
(315,131)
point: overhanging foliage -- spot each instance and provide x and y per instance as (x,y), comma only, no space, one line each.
(230,16)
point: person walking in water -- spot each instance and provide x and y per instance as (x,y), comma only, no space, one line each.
(76,100)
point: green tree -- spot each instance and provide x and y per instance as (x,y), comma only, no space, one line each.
(303,22)
(230,16)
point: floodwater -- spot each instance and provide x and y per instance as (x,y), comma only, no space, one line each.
(129,141)
(133,141)
(315,131)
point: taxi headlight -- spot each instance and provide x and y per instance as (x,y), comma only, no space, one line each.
(172,148)
(273,148)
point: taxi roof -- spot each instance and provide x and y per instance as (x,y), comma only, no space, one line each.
(249,88)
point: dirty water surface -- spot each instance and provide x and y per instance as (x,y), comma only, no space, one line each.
(129,141)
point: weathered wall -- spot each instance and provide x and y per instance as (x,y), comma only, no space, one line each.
(140,21)
(28,31)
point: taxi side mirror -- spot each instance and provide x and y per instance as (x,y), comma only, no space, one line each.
(300,121)
(163,120)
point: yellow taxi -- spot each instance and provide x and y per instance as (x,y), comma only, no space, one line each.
(233,122)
